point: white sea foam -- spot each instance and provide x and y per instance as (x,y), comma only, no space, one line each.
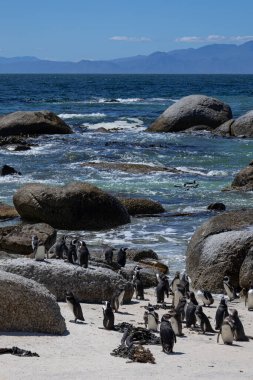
(81,115)
(122,124)
(211,173)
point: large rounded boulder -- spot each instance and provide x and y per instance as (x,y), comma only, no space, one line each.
(243,125)
(76,206)
(243,180)
(93,284)
(32,123)
(221,247)
(141,206)
(191,111)
(28,306)
(18,239)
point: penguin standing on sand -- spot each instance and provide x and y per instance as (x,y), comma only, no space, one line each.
(250,297)
(203,321)
(190,315)
(227,331)
(167,335)
(138,285)
(176,322)
(239,333)
(185,283)
(83,254)
(178,294)
(75,306)
(117,298)
(108,320)
(221,313)
(162,289)
(192,298)
(229,289)
(121,257)
(181,307)
(151,318)
(108,253)
(72,252)
(206,297)
(175,282)
(61,249)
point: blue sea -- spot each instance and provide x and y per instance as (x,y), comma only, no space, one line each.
(125,105)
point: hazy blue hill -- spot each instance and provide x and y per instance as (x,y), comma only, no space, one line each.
(209,59)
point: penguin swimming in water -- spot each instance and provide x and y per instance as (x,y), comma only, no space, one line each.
(221,313)
(117,299)
(175,282)
(138,285)
(206,297)
(167,335)
(190,315)
(83,255)
(61,249)
(239,333)
(229,289)
(75,306)
(151,318)
(121,257)
(203,320)
(162,289)
(72,252)
(108,320)
(227,331)
(108,253)
(249,299)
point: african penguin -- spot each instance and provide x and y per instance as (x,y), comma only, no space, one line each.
(162,289)
(239,333)
(190,315)
(35,243)
(167,335)
(221,313)
(206,297)
(203,321)
(117,299)
(108,320)
(138,285)
(83,254)
(61,249)
(75,306)
(175,282)
(229,289)
(108,253)
(72,252)
(227,331)
(250,298)
(151,318)
(121,257)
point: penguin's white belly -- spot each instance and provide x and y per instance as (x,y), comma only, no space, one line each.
(227,334)
(121,296)
(177,296)
(71,306)
(152,324)
(174,325)
(250,299)
(198,320)
(229,292)
(175,283)
(40,253)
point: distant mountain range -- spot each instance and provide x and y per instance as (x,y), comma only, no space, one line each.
(209,59)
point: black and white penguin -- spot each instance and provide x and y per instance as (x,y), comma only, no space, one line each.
(227,331)
(221,313)
(250,297)
(185,283)
(229,289)
(239,333)
(138,285)
(72,252)
(206,297)
(108,253)
(203,320)
(75,306)
(83,254)
(35,244)
(117,299)
(192,298)
(108,320)
(151,318)
(175,282)
(178,294)
(61,249)
(176,321)
(162,289)
(190,315)
(121,257)
(167,335)
(192,184)
(181,307)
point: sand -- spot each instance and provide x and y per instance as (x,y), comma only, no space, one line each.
(84,352)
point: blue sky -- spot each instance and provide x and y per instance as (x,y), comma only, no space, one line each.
(105,29)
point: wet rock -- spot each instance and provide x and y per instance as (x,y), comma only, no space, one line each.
(129,167)
(17,239)
(8,170)
(219,248)
(243,125)
(76,206)
(28,306)
(191,111)
(155,264)
(140,254)
(7,211)
(32,123)
(93,284)
(217,206)
(243,180)
(142,206)
(224,129)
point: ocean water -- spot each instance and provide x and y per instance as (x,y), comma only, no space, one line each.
(125,105)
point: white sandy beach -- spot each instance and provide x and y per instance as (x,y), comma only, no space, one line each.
(84,353)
